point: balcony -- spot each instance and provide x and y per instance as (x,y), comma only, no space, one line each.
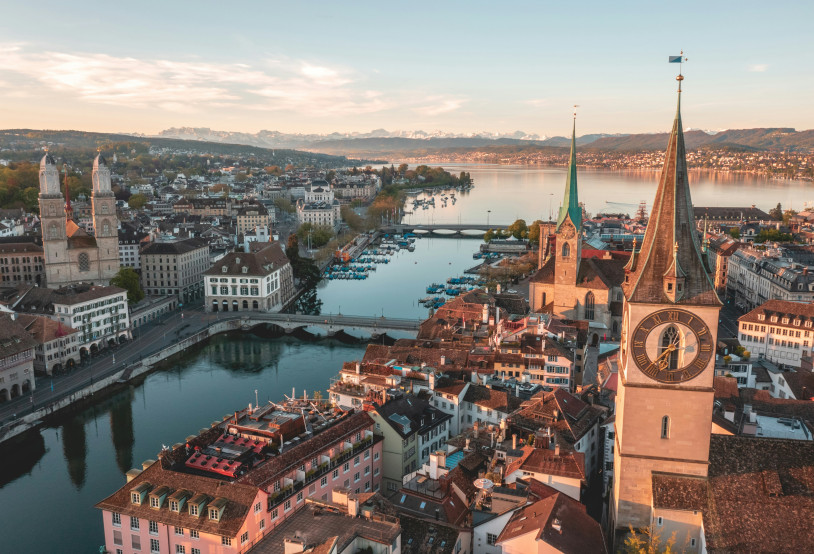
(290,489)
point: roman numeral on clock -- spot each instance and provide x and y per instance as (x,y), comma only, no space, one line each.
(656,319)
(641,359)
(700,363)
(706,348)
(638,344)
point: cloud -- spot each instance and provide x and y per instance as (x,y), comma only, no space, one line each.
(536,102)
(184,86)
(758,67)
(439,105)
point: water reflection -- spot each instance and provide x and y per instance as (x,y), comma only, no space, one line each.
(75,449)
(121,428)
(20,455)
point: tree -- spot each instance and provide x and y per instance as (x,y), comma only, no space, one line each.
(319,234)
(534,231)
(647,542)
(305,270)
(285,205)
(137,201)
(735,233)
(787,215)
(518,229)
(776,213)
(488,236)
(128,279)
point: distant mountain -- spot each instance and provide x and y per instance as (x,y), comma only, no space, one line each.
(277,139)
(760,139)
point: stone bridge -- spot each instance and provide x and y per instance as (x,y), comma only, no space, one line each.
(329,323)
(446,229)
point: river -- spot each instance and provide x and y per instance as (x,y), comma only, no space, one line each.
(51,482)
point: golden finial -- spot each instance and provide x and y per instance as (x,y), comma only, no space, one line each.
(575,110)
(99,149)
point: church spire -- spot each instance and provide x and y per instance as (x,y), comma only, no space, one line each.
(570,202)
(68,207)
(670,267)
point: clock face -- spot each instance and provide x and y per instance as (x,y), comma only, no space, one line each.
(671,346)
(567,231)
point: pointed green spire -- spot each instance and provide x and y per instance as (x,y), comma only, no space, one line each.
(570,202)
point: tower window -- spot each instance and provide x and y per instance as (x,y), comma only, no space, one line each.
(670,348)
(566,250)
(665,427)
(589,305)
(84,262)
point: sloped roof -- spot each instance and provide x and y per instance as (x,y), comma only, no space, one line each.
(558,520)
(258,262)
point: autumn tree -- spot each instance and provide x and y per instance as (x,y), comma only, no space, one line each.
(128,279)
(137,201)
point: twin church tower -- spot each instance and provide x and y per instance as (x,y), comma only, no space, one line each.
(669,327)
(71,254)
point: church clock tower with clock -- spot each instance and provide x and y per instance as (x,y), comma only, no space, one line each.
(667,355)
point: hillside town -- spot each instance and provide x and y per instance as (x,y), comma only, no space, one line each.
(652,380)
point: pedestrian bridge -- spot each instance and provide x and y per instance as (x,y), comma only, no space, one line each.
(328,323)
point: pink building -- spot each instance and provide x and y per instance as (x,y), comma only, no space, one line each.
(223,491)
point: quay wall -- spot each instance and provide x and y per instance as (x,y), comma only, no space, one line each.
(128,373)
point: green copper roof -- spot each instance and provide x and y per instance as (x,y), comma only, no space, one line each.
(570,202)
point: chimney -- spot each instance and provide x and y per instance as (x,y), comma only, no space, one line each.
(353,506)
(443,361)
(557,449)
(517,390)
(476,427)
(498,288)
(293,546)
(556,525)
(514,441)
(466,446)
(358,368)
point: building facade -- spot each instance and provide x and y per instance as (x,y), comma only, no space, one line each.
(71,254)
(250,217)
(175,268)
(319,207)
(780,331)
(753,277)
(21,263)
(260,280)
(16,359)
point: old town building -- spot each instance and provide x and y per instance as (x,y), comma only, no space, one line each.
(175,268)
(16,358)
(21,263)
(261,279)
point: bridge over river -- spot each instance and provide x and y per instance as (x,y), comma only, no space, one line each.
(444,229)
(329,323)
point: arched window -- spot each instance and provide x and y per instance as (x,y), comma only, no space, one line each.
(615,328)
(670,341)
(566,250)
(665,427)
(105,228)
(589,305)
(84,262)
(53,231)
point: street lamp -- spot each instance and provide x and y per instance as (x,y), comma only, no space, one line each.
(487,217)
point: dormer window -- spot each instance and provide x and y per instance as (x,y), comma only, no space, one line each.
(135,498)
(193,509)
(213,514)
(173,505)
(224,269)
(245,269)
(796,322)
(808,323)
(237,261)
(774,319)
(761,317)
(785,321)
(155,502)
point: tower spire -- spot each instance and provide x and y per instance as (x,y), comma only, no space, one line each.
(670,266)
(68,207)
(570,202)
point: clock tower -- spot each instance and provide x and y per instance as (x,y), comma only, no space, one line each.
(667,354)
(568,245)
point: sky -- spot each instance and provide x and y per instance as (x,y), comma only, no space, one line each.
(354,66)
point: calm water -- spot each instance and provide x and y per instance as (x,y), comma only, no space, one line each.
(48,486)
(534,192)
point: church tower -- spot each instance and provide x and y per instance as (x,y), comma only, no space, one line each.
(105,221)
(667,354)
(568,242)
(52,223)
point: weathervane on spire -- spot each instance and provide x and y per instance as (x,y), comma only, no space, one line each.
(680,59)
(575,110)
